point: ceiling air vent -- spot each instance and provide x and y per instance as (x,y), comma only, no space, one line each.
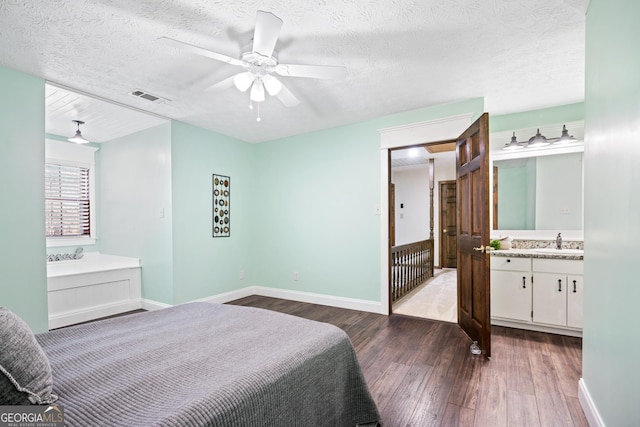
(146,95)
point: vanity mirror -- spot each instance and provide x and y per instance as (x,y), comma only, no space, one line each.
(538,190)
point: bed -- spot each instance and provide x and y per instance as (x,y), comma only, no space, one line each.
(205,364)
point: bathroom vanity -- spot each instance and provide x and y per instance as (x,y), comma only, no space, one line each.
(538,289)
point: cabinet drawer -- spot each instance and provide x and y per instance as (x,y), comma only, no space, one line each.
(510,264)
(563,266)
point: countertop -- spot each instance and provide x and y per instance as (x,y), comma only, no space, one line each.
(548,253)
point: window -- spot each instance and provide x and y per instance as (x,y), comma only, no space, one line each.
(67,201)
(69,193)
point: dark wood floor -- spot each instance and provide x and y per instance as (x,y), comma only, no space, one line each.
(421,372)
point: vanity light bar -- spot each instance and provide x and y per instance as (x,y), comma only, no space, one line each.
(539,140)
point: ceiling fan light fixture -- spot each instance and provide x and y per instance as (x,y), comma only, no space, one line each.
(272,84)
(243,81)
(257,91)
(78,138)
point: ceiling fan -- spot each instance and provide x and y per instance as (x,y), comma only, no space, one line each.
(261,64)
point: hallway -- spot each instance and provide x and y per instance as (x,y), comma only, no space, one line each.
(436,299)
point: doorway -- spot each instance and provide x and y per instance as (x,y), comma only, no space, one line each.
(421,178)
(472,178)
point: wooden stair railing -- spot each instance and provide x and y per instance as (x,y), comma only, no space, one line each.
(411,265)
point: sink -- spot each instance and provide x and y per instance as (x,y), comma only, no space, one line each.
(559,251)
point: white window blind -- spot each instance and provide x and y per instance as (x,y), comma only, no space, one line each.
(67,201)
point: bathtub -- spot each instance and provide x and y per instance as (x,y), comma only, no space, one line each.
(97,285)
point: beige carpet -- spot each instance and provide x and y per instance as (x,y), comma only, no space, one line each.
(437,298)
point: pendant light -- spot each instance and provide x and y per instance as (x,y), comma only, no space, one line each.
(78,138)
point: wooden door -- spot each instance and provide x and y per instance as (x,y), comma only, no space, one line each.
(448,224)
(472,169)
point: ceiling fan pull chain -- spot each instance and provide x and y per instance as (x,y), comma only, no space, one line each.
(258,119)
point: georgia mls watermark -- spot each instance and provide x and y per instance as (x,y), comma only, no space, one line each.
(32,416)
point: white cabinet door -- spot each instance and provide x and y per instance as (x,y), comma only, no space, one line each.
(550,298)
(574,301)
(511,295)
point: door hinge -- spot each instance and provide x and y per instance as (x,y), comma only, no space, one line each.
(532,280)
(532,314)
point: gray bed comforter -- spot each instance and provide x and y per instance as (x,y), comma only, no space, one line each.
(203,364)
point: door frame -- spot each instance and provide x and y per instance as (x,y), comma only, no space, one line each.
(412,134)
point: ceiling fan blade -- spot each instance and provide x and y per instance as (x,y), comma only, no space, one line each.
(201,51)
(287,98)
(221,85)
(266,33)
(312,71)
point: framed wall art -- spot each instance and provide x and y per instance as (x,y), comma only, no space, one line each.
(221,206)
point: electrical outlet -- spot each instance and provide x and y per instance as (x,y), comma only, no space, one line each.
(296,276)
(241,274)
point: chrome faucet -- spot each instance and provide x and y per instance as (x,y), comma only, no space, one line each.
(559,242)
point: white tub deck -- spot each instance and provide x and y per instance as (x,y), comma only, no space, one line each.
(94,286)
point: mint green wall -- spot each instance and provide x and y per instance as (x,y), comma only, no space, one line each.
(315,197)
(611,344)
(544,116)
(203,265)
(23,276)
(134,205)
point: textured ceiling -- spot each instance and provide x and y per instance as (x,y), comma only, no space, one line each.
(401,55)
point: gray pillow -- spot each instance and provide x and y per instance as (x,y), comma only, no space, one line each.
(25,373)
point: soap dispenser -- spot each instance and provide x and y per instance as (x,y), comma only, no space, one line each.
(559,242)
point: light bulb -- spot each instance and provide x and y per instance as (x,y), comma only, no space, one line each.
(257,91)
(272,84)
(243,81)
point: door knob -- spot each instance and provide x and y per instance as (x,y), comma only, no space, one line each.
(479,249)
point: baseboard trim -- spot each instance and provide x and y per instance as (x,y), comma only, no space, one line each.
(151,305)
(308,297)
(320,299)
(588,406)
(91,313)
(534,327)
(230,296)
